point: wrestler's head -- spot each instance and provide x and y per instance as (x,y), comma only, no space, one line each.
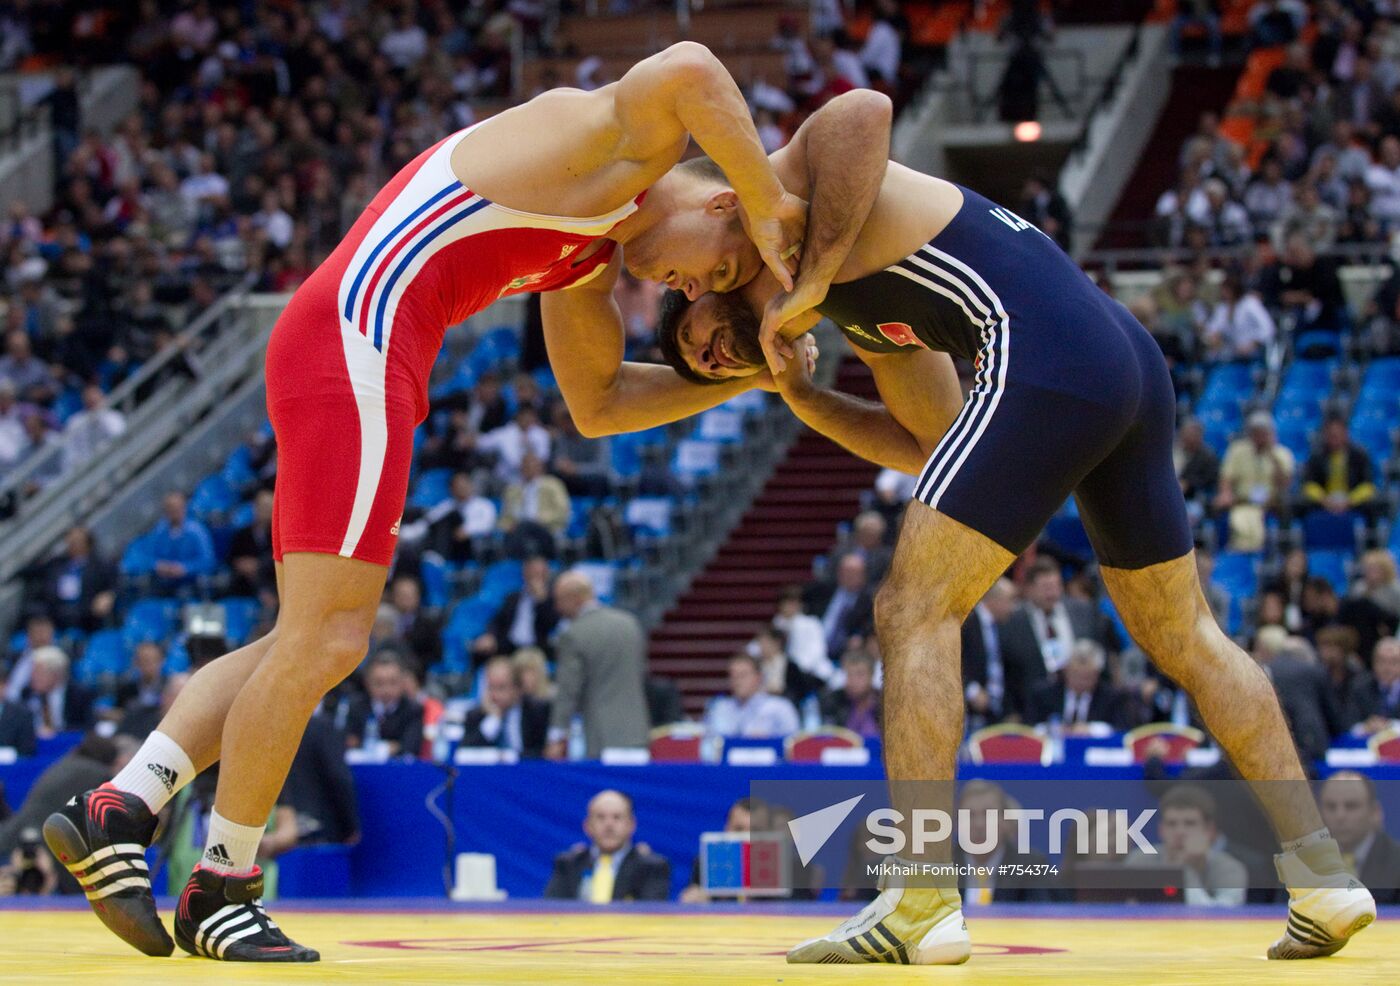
(711,339)
(697,242)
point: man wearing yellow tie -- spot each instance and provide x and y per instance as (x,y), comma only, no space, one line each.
(610,866)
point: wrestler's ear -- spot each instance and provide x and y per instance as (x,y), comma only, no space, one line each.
(723,200)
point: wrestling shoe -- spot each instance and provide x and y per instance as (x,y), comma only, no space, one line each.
(1326,903)
(101,837)
(909,926)
(222,917)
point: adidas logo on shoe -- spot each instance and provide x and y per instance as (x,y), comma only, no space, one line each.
(218,855)
(166,774)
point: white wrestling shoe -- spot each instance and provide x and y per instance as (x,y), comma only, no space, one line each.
(1326,904)
(905,926)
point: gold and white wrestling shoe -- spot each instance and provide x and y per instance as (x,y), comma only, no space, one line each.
(906,926)
(1326,903)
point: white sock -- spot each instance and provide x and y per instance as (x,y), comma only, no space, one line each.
(159,769)
(232,849)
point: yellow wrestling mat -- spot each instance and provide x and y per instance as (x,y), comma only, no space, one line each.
(618,948)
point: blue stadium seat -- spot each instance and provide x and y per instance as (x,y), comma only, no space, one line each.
(1068,532)
(1228,382)
(431,488)
(581,511)
(1331,565)
(177,657)
(139,558)
(1297,438)
(107,652)
(67,404)
(695,459)
(721,424)
(626,457)
(1237,572)
(1318,344)
(238,467)
(649,516)
(150,619)
(240,617)
(434,573)
(1323,530)
(213,495)
(1304,411)
(1383,373)
(500,579)
(469,620)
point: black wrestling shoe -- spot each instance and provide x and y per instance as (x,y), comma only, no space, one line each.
(222,917)
(101,837)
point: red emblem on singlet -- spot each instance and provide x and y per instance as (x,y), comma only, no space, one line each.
(901,334)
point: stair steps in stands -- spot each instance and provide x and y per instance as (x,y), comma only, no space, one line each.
(791,522)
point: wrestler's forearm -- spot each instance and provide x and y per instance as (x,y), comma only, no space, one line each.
(710,106)
(846,145)
(861,427)
(644,395)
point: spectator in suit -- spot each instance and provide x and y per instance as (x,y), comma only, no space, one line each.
(1038,637)
(78,588)
(846,607)
(506,718)
(182,547)
(535,510)
(979,799)
(1303,692)
(1254,481)
(1305,286)
(806,637)
(56,702)
(320,787)
(387,712)
(600,672)
(856,704)
(453,525)
(526,618)
(16,727)
(610,866)
(1081,695)
(1321,608)
(1338,476)
(1347,676)
(1378,696)
(417,627)
(781,674)
(869,540)
(139,721)
(143,684)
(1197,466)
(38,633)
(250,553)
(1353,814)
(748,710)
(1379,581)
(1187,836)
(986,689)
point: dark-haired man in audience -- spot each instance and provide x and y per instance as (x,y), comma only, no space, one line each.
(856,704)
(1338,476)
(1356,819)
(506,718)
(387,712)
(526,617)
(845,605)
